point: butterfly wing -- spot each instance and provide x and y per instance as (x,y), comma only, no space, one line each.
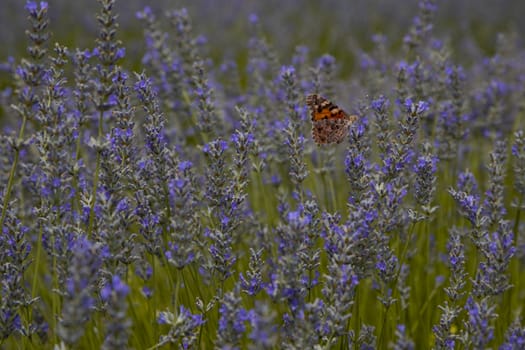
(329,122)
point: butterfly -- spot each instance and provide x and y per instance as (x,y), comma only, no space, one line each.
(330,123)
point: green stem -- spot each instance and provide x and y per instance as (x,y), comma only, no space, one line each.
(394,282)
(95,179)
(154,276)
(514,293)
(383,326)
(423,310)
(12,171)
(518,215)
(75,201)
(54,294)
(37,262)
(404,253)
(425,316)
(356,316)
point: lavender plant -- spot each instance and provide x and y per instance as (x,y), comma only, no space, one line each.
(165,192)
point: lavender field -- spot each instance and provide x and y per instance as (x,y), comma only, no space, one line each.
(160,187)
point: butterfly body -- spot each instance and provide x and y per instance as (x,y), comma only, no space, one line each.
(330,123)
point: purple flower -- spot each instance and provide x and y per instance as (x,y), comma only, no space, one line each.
(326,60)
(232,322)
(263,333)
(416,108)
(78,302)
(402,341)
(425,169)
(287,71)
(253,18)
(116,288)
(36,9)
(380,105)
(185,165)
(123,205)
(514,338)
(480,314)
(183,327)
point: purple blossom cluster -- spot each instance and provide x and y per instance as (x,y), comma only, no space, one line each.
(184,204)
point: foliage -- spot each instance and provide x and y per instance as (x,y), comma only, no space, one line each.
(185,205)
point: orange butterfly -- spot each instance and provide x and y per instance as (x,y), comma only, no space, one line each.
(330,123)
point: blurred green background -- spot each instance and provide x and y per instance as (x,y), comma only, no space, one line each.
(333,26)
